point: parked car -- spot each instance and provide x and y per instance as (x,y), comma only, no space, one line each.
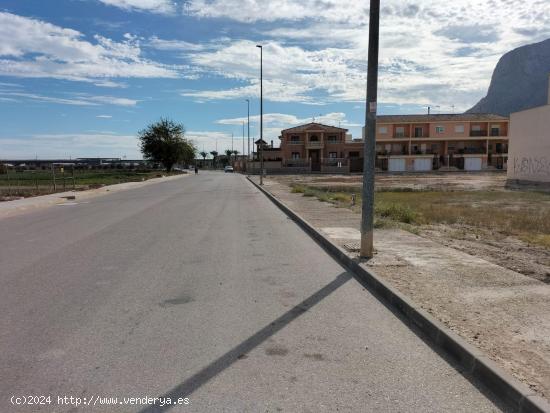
(228,168)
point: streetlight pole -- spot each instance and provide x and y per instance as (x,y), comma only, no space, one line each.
(367,219)
(261,114)
(243,142)
(248,124)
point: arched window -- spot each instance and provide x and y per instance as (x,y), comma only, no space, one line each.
(314,138)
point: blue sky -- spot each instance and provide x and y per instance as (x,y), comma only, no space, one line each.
(79,78)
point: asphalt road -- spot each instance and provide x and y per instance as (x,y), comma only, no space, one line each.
(201,288)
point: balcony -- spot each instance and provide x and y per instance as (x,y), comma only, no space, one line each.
(315,145)
(296,142)
(478,133)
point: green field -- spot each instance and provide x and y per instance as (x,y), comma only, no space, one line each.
(32,183)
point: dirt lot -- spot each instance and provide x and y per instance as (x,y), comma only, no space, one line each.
(470,252)
(473,213)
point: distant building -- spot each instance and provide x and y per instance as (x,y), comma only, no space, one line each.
(403,143)
(530,148)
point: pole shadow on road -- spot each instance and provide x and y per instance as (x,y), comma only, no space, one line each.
(217,366)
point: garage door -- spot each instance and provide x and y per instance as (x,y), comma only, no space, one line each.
(396,165)
(423,164)
(472,164)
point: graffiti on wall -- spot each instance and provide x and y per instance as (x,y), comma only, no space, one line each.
(532,166)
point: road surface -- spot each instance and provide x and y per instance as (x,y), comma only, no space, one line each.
(201,291)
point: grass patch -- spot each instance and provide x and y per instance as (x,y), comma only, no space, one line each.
(524,214)
(298,189)
(396,212)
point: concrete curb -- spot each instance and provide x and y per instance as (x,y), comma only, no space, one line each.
(510,391)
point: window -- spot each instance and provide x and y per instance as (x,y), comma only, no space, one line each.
(459,128)
(333,139)
(495,130)
(418,132)
(476,128)
(333,155)
(354,155)
(294,139)
(382,129)
(439,129)
(399,131)
(313,138)
(295,155)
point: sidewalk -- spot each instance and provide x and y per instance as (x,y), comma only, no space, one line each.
(20,206)
(500,311)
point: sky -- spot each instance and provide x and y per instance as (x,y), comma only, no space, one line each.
(81,78)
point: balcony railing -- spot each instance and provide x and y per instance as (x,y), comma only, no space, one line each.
(478,133)
(296,142)
(315,145)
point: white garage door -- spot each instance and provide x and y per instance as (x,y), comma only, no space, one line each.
(423,164)
(396,165)
(472,164)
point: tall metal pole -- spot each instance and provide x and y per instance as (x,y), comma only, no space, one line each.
(243,141)
(261,115)
(367,221)
(248,124)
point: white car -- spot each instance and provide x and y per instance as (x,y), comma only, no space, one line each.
(228,168)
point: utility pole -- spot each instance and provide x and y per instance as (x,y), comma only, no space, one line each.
(261,115)
(231,141)
(248,124)
(243,140)
(367,218)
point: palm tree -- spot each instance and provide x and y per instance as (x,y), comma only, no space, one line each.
(214,157)
(203,154)
(228,153)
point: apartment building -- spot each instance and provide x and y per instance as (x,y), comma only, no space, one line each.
(403,143)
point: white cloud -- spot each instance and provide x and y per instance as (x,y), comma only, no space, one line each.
(71,144)
(77,100)
(430,52)
(154,6)
(273,10)
(104,116)
(275,122)
(214,140)
(33,48)
(181,45)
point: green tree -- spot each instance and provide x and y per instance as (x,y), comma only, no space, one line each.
(164,141)
(203,154)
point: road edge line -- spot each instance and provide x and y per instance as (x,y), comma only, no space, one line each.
(504,386)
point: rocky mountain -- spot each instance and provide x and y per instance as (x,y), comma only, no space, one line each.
(520,81)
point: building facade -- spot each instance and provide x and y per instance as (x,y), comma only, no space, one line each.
(530,148)
(404,143)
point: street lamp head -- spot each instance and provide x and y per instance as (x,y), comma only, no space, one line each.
(259,45)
